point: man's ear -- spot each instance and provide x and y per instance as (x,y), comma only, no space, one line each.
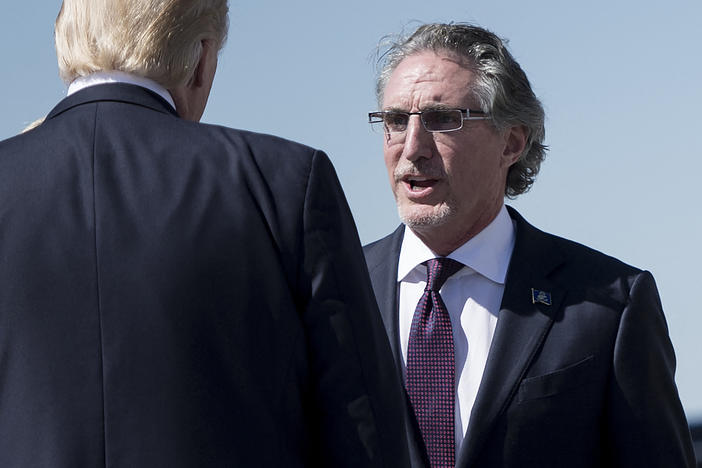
(200,77)
(191,98)
(515,142)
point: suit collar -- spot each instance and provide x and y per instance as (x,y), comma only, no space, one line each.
(542,255)
(115,92)
(116,76)
(521,328)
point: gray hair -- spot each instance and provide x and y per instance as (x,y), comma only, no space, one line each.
(501,86)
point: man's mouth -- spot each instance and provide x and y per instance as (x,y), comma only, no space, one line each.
(418,183)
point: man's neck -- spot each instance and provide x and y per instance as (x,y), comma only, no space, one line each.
(488,252)
(444,238)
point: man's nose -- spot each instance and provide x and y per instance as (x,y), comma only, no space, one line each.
(418,140)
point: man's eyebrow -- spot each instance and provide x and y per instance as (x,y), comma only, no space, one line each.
(395,109)
(437,106)
(428,107)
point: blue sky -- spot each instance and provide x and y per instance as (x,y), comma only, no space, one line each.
(621,83)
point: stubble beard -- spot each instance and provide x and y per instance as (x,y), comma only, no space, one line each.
(413,217)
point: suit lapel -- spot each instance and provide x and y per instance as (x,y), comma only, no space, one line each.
(382,258)
(521,328)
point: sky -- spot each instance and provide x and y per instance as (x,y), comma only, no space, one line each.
(621,83)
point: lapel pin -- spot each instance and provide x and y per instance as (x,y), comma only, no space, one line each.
(541,297)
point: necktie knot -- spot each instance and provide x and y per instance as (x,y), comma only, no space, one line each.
(439,270)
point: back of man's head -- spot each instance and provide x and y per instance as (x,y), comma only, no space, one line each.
(156,39)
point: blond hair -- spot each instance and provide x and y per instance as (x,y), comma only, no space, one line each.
(156,39)
(33,125)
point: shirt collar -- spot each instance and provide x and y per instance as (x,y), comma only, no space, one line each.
(487,253)
(115,76)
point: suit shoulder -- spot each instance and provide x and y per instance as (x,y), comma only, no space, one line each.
(259,143)
(282,162)
(537,245)
(591,259)
(597,276)
(571,265)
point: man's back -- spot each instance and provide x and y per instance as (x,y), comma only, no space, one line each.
(173,294)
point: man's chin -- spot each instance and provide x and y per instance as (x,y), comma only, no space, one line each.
(425,216)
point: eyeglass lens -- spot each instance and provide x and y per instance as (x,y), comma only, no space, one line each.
(433,120)
(442,120)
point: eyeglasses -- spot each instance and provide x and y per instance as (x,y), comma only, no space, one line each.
(436,120)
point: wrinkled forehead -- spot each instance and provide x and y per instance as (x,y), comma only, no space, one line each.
(429,79)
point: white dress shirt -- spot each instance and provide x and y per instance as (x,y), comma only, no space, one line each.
(103,77)
(472,297)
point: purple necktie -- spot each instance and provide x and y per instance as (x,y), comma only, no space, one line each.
(430,366)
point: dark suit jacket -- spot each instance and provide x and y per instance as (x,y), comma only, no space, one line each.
(175,294)
(587,381)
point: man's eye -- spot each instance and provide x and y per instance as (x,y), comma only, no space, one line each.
(449,119)
(396,122)
(395,119)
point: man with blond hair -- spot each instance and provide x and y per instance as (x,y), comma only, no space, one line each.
(174,294)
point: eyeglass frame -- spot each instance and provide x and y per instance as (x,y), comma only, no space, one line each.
(465,114)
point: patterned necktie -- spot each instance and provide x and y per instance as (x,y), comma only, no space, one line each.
(430,366)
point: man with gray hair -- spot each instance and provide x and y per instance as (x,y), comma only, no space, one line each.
(175,294)
(517,348)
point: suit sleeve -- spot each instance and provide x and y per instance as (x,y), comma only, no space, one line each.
(647,425)
(357,394)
